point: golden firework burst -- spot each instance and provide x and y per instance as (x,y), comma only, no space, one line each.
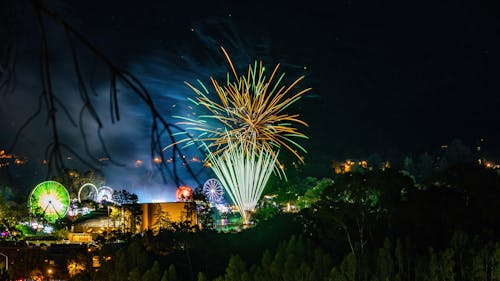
(249,112)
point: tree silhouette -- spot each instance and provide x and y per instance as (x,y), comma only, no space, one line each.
(54,107)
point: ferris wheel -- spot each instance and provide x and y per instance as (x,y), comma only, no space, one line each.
(87,191)
(49,199)
(104,194)
(213,190)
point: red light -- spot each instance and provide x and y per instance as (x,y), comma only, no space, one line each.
(183,193)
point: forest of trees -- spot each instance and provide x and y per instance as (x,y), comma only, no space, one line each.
(375,225)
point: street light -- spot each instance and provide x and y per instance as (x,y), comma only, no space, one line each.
(49,273)
(6,261)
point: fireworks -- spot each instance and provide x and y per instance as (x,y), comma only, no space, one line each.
(245,129)
(249,112)
(243,174)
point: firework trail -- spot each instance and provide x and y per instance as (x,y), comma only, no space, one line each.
(245,129)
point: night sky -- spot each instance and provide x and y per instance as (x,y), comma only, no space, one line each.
(386,76)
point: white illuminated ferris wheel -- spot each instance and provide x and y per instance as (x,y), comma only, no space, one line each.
(213,190)
(104,194)
(87,191)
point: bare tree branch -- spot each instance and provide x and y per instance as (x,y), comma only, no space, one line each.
(162,132)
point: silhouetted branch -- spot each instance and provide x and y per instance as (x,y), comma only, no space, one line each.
(160,127)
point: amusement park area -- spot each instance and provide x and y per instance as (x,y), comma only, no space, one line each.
(94,211)
(60,233)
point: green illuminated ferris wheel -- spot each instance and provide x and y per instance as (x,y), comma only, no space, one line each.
(49,199)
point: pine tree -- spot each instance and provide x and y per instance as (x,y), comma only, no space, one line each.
(291,265)
(201,277)
(461,247)
(385,263)
(400,267)
(172,273)
(447,265)
(121,267)
(433,266)
(235,268)
(153,274)
(478,269)
(321,264)
(346,271)
(134,274)
(164,276)
(276,268)
(265,266)
(495,264)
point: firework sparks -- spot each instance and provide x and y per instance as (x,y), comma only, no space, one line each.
(243,174)
(249,111)
(251,127)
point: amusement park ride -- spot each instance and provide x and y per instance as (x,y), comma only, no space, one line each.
(50,200)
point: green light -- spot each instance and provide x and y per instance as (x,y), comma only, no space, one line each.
(244,175)
(49,199)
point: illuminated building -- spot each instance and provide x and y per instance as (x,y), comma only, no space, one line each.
(154,216)
(158,215)
(356,165)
